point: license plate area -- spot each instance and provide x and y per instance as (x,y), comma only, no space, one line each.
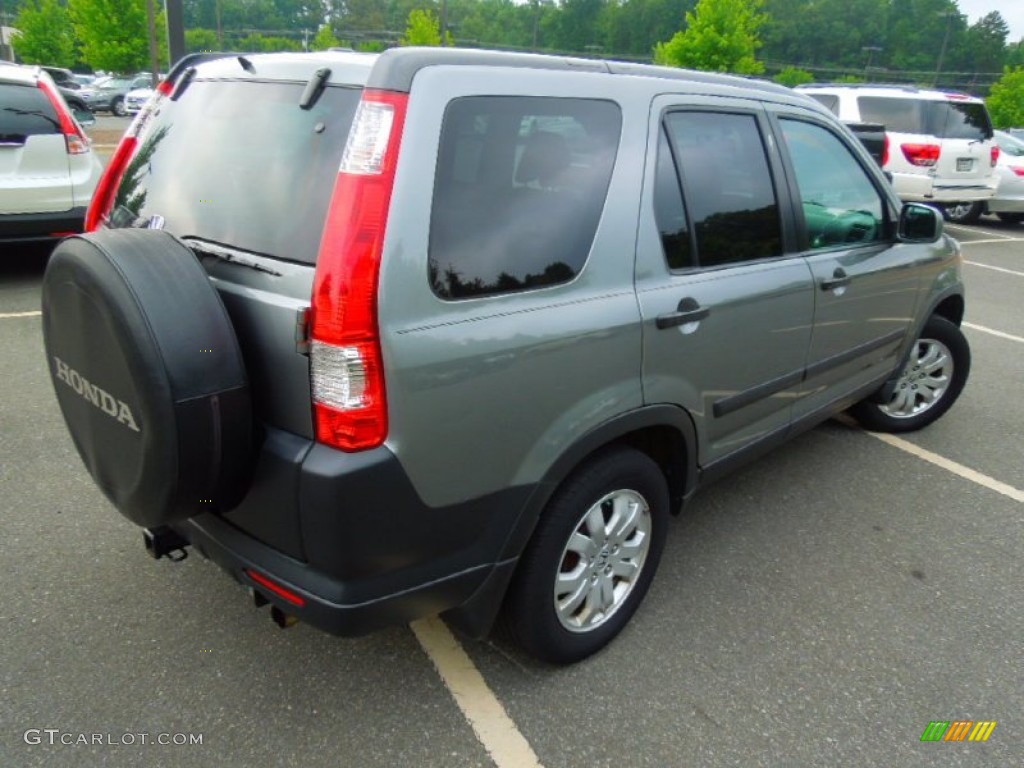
(964,164)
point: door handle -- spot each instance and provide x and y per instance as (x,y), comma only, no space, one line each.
(688,311)
(839,280)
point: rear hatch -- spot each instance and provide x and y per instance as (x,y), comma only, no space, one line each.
(959,127)
(243,174)
(34,173)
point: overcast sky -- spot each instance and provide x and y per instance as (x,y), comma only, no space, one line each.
(1011,10)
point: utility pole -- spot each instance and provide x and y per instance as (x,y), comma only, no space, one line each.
(175,30)
(945,41)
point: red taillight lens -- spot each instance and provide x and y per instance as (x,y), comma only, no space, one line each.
(347,370)
(995,155)
(1017,170)
(885,151)
(277,589)
(74,137)
(103,197)
(924,155)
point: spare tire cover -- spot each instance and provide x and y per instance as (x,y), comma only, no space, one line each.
(148,374)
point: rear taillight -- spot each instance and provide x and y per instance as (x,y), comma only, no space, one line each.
(74,137)
(347,370)
(924,155)
(995,155)
(103,197)
(885,151)
(1017,170)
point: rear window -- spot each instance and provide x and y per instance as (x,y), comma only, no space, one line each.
(520,185)
(25,112)
(942,119)
(240,164)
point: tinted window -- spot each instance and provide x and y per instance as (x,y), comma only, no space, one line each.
(841,206)
(943,119)
(830,101)
(25,111)
(242,165)
(519,190)
(728,187)
(669,211)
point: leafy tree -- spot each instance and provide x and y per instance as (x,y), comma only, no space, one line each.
(793,76)
(422,28)
(45,33)
(324,39)
(1006,101)
(720,35)
(267,43)
(114,33)
(197,40)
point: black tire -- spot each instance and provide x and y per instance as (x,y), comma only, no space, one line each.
(909,408)
(148,374)
(964,213)
(621,477)
(117,107)
(1011,218)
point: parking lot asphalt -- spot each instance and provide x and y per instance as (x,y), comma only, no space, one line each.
(819,608)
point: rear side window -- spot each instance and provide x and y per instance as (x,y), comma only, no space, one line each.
(242,165)
(25,112)
(728,190)
(827,100)
(519,190)
(942,119)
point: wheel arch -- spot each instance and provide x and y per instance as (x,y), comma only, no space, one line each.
(663,432)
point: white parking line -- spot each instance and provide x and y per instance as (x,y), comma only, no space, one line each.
(497,732)
(973,230)
(997,269)
(951,466)
(7,315)
(994,332)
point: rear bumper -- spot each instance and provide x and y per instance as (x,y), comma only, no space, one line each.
(922,188)
(348,535)
(36,227)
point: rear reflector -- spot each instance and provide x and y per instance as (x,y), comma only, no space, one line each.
(346,364)
(924,155)
(995,155)
(277,589)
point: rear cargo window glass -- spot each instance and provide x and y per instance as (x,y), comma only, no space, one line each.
(942,119)
(518,193)
(25,111)
(240,164)
(727,185)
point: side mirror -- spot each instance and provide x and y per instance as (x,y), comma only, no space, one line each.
(919,224)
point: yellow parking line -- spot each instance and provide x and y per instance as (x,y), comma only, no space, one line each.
(497,732)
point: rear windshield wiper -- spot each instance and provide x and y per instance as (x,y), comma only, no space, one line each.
(226,254)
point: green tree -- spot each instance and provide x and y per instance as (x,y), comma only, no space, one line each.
(720,35)
(45,33)
(258,43)
(793,76)
(324,39)
(113,33)
(199,40)
(1006,100)
(422,28)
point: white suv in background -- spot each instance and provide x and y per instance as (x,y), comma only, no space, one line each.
(940,146)
(48,171)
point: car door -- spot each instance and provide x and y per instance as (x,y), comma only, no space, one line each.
(865,288)
(726,312)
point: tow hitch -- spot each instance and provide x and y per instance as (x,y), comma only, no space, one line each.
(165,542)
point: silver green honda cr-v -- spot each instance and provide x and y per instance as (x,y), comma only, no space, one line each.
(448,331)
